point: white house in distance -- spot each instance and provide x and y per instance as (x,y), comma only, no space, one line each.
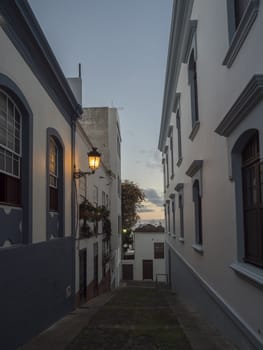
(102,126)
(147,263)
(211,139)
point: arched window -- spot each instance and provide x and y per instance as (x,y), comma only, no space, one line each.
(10,151)
(55,184)
(252,186)
(197,213)
(16,120)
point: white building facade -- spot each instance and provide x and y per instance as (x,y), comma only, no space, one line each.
(211,139)
(102,126)
(149,261)
(93,231)
(37,113)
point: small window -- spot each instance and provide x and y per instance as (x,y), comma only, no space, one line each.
(181,211)
(197,213)
(171,151)
(167,167)
(179,137)
(164,174)
(168,216)
(173,217)
(158,250)
(10,151)
(193,88)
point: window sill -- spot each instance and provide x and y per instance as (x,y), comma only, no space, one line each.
(181,239)
(241,32)
(194,131)
(198,248)
(179,162)
(173,236)
(250,272)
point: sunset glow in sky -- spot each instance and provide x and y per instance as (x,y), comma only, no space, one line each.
(122,46)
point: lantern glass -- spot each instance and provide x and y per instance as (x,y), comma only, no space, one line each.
(94,159)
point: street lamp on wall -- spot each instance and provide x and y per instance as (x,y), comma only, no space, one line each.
(94,158)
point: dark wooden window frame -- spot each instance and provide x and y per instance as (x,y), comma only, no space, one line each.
(11,179)
(198,213)
(252,179)
(158,250)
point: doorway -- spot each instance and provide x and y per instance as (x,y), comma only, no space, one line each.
(147,269)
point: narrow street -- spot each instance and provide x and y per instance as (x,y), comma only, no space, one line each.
(138,316)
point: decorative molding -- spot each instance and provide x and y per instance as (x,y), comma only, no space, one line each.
(241,32)
(249,272)
(22,28)
(172,196)
(198,248)
(191,29)
(194,167)
(180,18)
(195,129)
(179,187)
(248,99)
(179,162)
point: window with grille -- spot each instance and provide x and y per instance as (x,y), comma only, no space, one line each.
(10,151)
(252,180)
(53,175)
(158,250)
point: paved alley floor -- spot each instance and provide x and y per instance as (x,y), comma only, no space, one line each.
(142,317)
(136,317)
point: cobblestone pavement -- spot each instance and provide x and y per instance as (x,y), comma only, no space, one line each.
(142,317)
(138,316)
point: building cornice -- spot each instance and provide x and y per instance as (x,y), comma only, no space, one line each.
(191,29)
(179,187)
(22,28)
(180,20)
(194,167)
(248,99)
(241,33)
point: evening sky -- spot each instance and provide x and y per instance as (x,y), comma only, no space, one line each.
(122,47)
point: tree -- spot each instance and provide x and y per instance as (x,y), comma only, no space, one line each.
(131,199)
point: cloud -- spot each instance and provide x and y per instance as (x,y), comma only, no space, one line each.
(144,209)
(153,197)
(153,159)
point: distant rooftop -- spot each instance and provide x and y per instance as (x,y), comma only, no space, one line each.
(149,228)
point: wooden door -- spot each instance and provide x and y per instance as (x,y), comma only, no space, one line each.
(95,270)
(82,275)
(147,269)
(127,272)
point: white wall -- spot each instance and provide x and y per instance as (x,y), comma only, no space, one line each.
(101,180)
(218,89)
(45,114)
(144,250)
